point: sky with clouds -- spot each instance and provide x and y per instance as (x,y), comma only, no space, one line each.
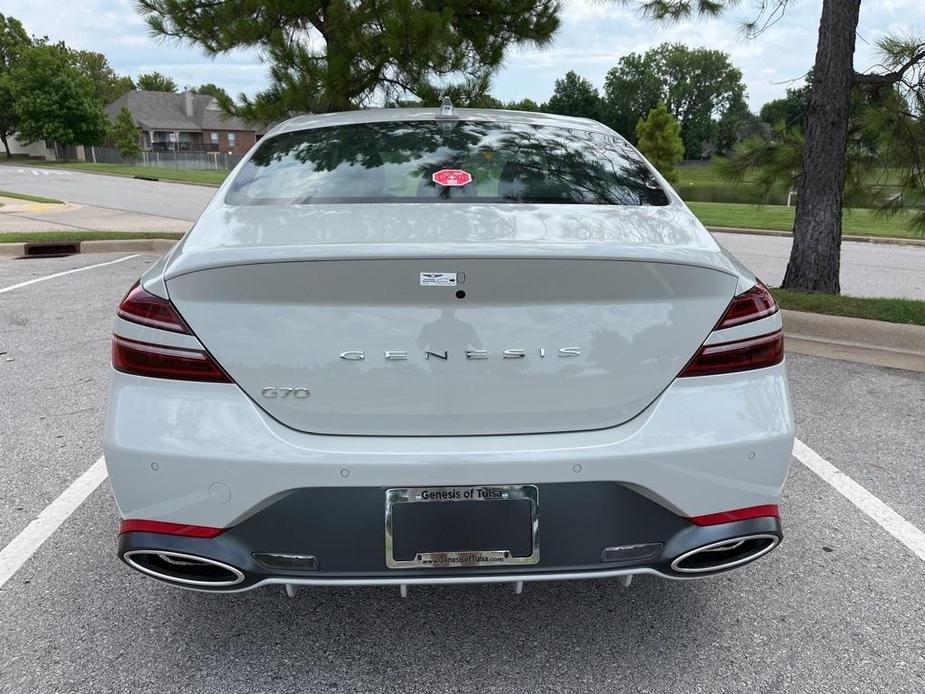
(593,36)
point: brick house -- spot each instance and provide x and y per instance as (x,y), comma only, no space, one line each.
(186,122)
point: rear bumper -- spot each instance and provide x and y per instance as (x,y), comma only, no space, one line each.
(343,530)
(204,454)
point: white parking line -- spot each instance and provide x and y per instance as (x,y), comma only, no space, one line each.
(24,545)
(44,172)
(886,517)
(62,274)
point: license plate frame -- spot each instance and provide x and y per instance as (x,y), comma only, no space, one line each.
(489,556)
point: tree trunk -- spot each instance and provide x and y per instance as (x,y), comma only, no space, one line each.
(6,144)
(815,256)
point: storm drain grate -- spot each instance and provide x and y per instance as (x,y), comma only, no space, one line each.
(51,249)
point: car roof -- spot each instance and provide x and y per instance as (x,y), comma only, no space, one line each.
(381,115)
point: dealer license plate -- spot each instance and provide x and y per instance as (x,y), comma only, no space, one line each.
(460,527)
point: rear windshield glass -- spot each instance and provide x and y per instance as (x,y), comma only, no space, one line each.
(444,162)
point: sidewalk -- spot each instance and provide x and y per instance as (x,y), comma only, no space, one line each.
(22,216)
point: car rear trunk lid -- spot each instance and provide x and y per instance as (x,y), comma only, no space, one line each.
(516,345)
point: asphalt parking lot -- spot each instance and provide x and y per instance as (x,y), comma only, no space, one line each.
(839,607)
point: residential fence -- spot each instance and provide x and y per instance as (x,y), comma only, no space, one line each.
(216,161)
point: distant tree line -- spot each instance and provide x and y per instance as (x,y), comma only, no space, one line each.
(51,92)
(699,87)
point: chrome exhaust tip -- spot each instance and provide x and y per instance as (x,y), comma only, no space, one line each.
(183,569)
(725,554)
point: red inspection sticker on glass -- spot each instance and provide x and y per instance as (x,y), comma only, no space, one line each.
(452,177)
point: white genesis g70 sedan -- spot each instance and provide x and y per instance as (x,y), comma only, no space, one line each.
(406,346)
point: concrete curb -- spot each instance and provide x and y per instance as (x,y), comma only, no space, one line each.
(859,340)
(886,240)
(127,246)
(16,250)
(12,250)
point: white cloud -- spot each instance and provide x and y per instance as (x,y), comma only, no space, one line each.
(891,7)
(594,10)
(114,28)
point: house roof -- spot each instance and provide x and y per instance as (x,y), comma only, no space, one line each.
(168,111)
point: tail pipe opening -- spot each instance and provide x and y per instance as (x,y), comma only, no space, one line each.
(183,569)
(725,554)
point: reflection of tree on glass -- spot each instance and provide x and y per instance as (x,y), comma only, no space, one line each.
(396,161)
(576,167)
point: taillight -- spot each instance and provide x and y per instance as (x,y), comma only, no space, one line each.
(747,353)
(144,308)
(766,511)
(741,355)
(754,304)
(182,529)
(163,361)
(160,360)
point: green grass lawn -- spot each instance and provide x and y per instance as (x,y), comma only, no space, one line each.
(30,198)
(890,310)
(705,173)
(698,174)
(27,236)
(780,218)
(164,173)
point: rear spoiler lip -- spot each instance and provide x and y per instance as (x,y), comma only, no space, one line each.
(191,260)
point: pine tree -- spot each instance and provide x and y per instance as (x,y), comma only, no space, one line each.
(337,56)
(659,137)
(124,134)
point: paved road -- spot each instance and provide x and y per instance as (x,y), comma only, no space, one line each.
(837,608)
(867,269)
(174,200)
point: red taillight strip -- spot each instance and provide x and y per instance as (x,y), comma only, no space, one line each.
(755,304)
(740,355)
(150,526)
(766,511)
(162,361)
(145,308)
